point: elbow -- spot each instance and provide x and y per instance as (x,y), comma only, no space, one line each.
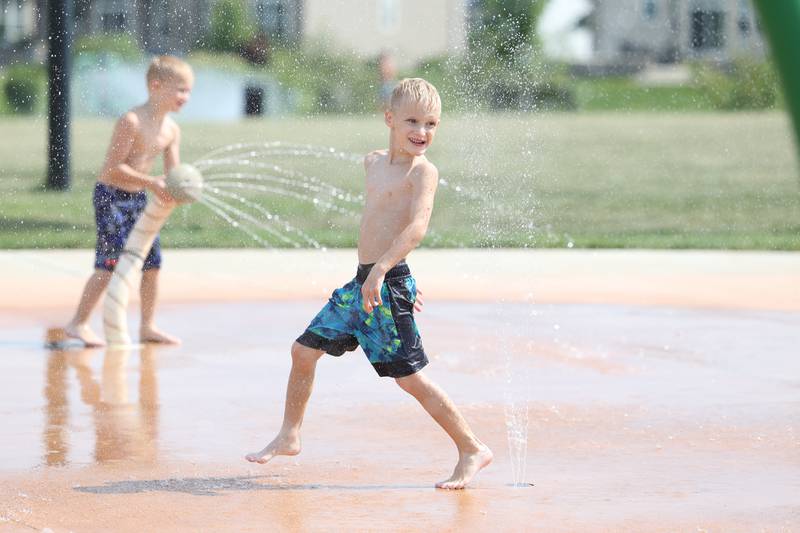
(111,172)
(417,234)
(107,174)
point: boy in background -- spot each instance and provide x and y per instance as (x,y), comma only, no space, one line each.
(140,136)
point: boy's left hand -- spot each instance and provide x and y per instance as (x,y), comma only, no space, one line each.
(371,291)
(159,187)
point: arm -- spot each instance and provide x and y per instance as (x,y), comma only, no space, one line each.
(424,184)
(172,157)
(116,171)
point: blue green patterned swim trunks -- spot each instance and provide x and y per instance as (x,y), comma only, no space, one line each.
(389,335)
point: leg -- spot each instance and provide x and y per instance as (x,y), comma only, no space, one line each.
(78,327)
(148,332)
(472,453)
(298,391)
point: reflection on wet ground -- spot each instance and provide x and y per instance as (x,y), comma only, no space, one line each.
(124,429)
(612,413)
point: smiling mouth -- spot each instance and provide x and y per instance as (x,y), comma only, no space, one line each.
(416,142)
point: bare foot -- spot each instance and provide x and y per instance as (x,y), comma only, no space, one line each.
(83,333)
(468,465)
(281,445)
(155,335)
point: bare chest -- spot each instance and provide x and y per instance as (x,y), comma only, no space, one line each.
(151,142)
(388,190)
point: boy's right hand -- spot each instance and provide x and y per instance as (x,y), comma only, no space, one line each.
(419,303)
(159,187)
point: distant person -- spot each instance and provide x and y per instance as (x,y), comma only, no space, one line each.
(376,309)
(140,136)
(387,71)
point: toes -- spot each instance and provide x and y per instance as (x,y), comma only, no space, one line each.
(255,458)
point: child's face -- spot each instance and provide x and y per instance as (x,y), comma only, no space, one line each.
(413,127)
(172,92)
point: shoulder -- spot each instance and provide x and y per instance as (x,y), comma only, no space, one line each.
(172,126)
(127,129)
(424,173)
(372,157)
(129,120)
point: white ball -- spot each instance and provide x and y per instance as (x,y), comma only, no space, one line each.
(185,183)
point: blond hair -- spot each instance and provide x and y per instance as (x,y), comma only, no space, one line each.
(165,68)
(418,91)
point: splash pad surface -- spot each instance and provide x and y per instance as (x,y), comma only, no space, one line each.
(660,388)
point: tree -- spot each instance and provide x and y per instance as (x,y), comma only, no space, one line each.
(230,27)
(506,27)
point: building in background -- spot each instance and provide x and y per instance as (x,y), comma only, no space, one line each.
(670,31)
(18,20)
(159,26)
(411,30)
(22,26)
(612,32)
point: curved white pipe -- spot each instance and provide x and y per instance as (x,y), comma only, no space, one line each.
(185,184)
(129,264)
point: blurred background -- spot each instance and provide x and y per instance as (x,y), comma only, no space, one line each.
(566,123)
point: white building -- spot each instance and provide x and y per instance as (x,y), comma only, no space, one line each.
(628,31)
(411,30)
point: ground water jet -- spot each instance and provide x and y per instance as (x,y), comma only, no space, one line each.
(516,416)
(501,213)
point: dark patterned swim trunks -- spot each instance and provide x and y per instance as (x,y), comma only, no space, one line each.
(389,335)
(115,212)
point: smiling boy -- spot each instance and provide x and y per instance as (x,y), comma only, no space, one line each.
(140,136)
(376,309)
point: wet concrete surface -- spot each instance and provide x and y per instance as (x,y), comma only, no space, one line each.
(607,417)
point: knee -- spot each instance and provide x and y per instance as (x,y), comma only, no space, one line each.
(304,356)
(103,276)
(412,384)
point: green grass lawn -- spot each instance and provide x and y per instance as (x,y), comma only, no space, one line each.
(625,94)
(632,180)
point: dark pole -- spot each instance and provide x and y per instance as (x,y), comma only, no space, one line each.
(59,34)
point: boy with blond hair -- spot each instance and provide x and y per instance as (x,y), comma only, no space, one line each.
(376,309)
(140,136)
